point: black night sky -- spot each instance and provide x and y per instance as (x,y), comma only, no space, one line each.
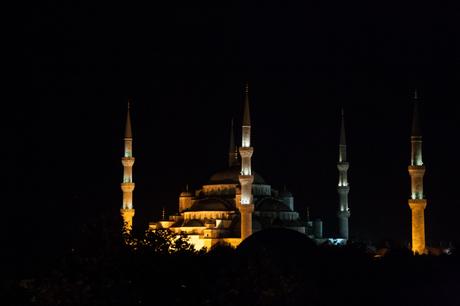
(184,68)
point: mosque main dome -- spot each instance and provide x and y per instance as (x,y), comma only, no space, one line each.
(231,176)
(230,206)
(211,204)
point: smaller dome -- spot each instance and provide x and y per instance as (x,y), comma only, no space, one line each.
(185,194)
(210,204)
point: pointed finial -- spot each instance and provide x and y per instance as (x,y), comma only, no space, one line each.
(163,214)
(342,130)
(343,141)
(246,115)
(128,131)
(186,187)
(416,126)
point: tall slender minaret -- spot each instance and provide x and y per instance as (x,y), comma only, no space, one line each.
(417,203)
(127,210)
(232,150)
(343,188)
(246,205)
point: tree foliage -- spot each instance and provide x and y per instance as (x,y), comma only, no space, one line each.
(160,242)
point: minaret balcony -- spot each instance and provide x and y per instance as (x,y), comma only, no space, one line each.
(420,170)
(415,204)
(127,161)
(246,179)
(343,188)
(246,208)
(344,214)
(127,213)
(343,166)
(127,187)
(246,152)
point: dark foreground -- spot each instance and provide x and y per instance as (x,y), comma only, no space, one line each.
(276,267)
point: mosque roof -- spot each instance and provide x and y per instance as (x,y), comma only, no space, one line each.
(231,176)
(256,223)
(271,204)
(193,223)
(208,204)
(185,194)
(285,194)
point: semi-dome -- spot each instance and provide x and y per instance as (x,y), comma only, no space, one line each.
(285,194)
(256,224)
(271,204)
(193,223)
(231,176)
(210,204)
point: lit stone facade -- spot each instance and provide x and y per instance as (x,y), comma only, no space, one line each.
(417,203)
(213,212)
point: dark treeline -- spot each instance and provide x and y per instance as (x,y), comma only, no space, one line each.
(272,267)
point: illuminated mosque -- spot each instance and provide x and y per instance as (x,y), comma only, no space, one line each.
(237,201)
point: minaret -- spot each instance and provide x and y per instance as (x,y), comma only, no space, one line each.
(232,150)
(417,203)
(127,210)
(343,188)
(246,205)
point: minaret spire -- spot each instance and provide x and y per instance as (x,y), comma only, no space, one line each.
(232,150)
(416,126)
(343,140)
(128,131)
(417,202)
(246,115)
(127,186)
(343,188)
(246,205)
